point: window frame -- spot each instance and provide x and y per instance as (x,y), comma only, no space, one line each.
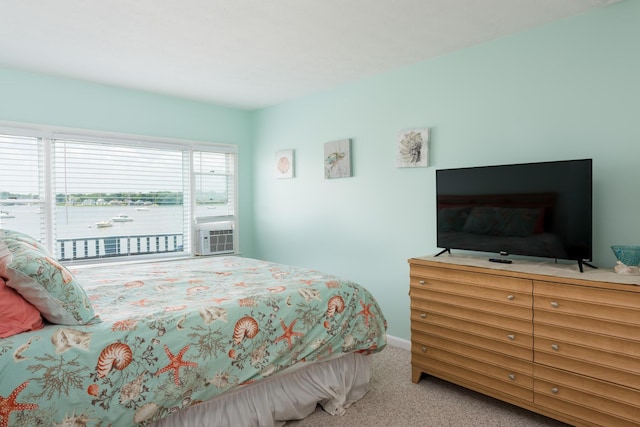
(48,135)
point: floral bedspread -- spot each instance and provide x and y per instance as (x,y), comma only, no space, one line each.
(176,333)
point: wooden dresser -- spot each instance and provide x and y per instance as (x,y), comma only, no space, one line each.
(538,335)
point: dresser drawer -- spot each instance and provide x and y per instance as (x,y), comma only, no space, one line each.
(616,369)
(585,322)
(591,341)
(425,334)
(503,333)
(470,278)
(586,398)
(424,309)
(615,307)
(486,377)
(423,344)
(492,302)
(518,294)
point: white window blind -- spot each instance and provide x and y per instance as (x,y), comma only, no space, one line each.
(214,185)
(90,196)
(22,189)
(133,194)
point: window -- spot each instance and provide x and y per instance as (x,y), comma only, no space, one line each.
(22,185)
(111,198)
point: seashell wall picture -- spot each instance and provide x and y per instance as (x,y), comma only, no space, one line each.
(284,164)
(413,148)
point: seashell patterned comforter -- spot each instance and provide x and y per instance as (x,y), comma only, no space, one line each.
(176,333)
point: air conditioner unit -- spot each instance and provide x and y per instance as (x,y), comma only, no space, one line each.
(214,238)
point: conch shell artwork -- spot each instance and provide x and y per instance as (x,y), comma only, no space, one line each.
(413,148)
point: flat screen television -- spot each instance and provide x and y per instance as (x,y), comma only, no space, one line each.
(532,209)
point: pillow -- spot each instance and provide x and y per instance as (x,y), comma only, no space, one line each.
(21,237)
(511,222)
(481,220)
(452,219)
(517,222)
(49,286)
(16,314)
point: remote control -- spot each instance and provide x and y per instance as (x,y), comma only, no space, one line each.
(500,260)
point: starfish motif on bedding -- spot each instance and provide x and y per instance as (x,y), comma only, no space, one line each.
(288,332)
(366,312)
(175,363)
(9,405)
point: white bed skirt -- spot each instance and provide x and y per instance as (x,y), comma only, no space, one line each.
(291,395)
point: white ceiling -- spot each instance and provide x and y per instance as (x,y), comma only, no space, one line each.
(252,53)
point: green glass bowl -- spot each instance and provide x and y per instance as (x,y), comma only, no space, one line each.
(627,254)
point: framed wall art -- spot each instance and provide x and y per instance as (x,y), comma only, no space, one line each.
(337,159)
(284,164)
(413,148)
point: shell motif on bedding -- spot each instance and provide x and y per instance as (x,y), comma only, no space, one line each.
(125,325)
(132,390)
(80,420)
(211,314)
(175,308)
(332,284)
(245,327)
(145,412)
(335,305)
(309,294)
(134,284)
(18,354)
(195,289)
(116,355)
(65,339)
(248,302)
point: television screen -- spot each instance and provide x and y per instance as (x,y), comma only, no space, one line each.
(532,209)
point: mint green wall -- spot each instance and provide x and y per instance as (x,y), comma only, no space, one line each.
(563,91)
(46,100)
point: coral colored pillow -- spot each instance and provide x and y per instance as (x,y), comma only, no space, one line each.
(16,314)
(29,269)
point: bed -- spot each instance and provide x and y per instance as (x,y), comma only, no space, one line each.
(198,341)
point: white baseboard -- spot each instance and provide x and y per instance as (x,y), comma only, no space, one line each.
(399,342)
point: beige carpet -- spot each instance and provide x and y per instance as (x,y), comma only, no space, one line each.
(395,401)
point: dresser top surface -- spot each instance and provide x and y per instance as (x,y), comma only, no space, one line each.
(529,269)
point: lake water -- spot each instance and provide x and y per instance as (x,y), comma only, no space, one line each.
(80,221)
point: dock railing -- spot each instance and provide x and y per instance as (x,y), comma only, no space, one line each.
(87,248)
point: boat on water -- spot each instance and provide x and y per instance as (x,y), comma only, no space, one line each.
(6,214)
(104,224)
(142,209)
(121,218)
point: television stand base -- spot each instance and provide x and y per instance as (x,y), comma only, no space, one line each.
(443,251)
(580,262)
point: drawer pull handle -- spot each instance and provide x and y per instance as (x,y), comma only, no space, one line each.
(424,349)
(422,282)
(555,347)
(512,377)
(510,297)
(423,315)
(554,390)
(511,337)
(555,304)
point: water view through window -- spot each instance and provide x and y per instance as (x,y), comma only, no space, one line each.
(101,189)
